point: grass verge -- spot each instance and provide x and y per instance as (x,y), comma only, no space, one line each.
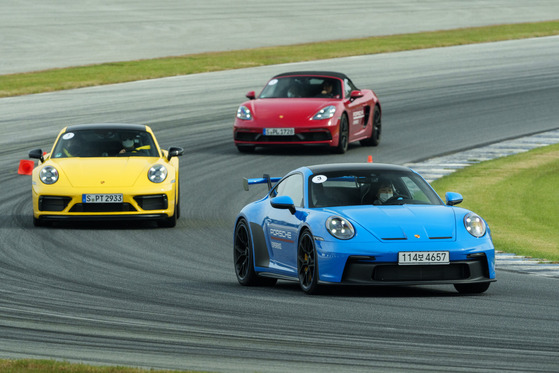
(119,72)
(517,196)
(51,366)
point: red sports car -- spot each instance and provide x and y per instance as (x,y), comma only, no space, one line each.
(308,107)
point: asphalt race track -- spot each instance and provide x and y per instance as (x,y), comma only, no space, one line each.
(168,298)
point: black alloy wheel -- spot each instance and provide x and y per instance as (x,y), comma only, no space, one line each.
(242,259)
(307,266)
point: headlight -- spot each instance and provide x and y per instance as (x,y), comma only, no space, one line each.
(326,113)
(48,175)
(474,224)
(340,228)
(244,113)
(157,173)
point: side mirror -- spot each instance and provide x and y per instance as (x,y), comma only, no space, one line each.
(37,154)
(355,95)
(175,151)
(251,95)
(453,198)
(283,202)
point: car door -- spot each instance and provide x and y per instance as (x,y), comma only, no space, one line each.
(356,109)
(281,225)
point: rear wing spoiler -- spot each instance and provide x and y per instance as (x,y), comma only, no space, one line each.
(261,180)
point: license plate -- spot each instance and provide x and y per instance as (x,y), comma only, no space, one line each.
(102,198)
(279,131)
(423,257)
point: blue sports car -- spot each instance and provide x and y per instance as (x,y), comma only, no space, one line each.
(360,224)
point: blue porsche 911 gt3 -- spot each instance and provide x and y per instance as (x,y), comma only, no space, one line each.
(360,224)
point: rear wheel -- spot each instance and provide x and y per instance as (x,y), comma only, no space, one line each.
(307,266)
(374,140)
(343,137)
(476,288)
(243,258)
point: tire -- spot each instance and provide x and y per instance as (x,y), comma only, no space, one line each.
(38,222)
(172,221)
(343,137)
(374,140)
(243,259)
(307,266)
(169,222)
(247,149)
(178,206)
(476,288)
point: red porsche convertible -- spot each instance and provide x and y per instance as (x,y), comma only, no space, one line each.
(308,107)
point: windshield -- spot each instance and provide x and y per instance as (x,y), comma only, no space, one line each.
(348,188)
(105,143)
(302,87)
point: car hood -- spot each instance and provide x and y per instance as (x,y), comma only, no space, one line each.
(417,222)
(288,109)
(109,172)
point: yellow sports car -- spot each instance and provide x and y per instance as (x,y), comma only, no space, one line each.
(104,172)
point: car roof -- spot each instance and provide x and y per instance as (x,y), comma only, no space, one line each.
(106,126)
(317,169)
(314,73)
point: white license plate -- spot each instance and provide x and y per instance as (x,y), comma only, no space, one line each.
(279,131)
(102,198)
(423,257)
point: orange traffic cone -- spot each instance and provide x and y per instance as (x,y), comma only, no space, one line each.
(26,167)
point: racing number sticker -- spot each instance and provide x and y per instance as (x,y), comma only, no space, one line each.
(319,179)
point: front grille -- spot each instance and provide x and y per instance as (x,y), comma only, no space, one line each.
(53,203)
(299,137)
(365,270)
(152,202)
(102,207)
(421,272)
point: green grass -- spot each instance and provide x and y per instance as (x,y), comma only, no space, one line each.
(518,197)
(51,366)
(118,72)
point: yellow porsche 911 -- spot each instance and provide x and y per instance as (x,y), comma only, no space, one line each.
(106,172)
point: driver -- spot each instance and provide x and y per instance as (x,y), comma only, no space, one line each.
(384,193)
(127,145)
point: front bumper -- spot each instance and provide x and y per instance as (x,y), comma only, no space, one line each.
(377,263)
(147,204)
(362,272)
(325,132)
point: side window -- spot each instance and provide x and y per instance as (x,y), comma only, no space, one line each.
(348,87)
(292,187)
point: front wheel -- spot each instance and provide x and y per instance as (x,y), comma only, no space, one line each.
(307,266)
(476,288)
(38,222)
